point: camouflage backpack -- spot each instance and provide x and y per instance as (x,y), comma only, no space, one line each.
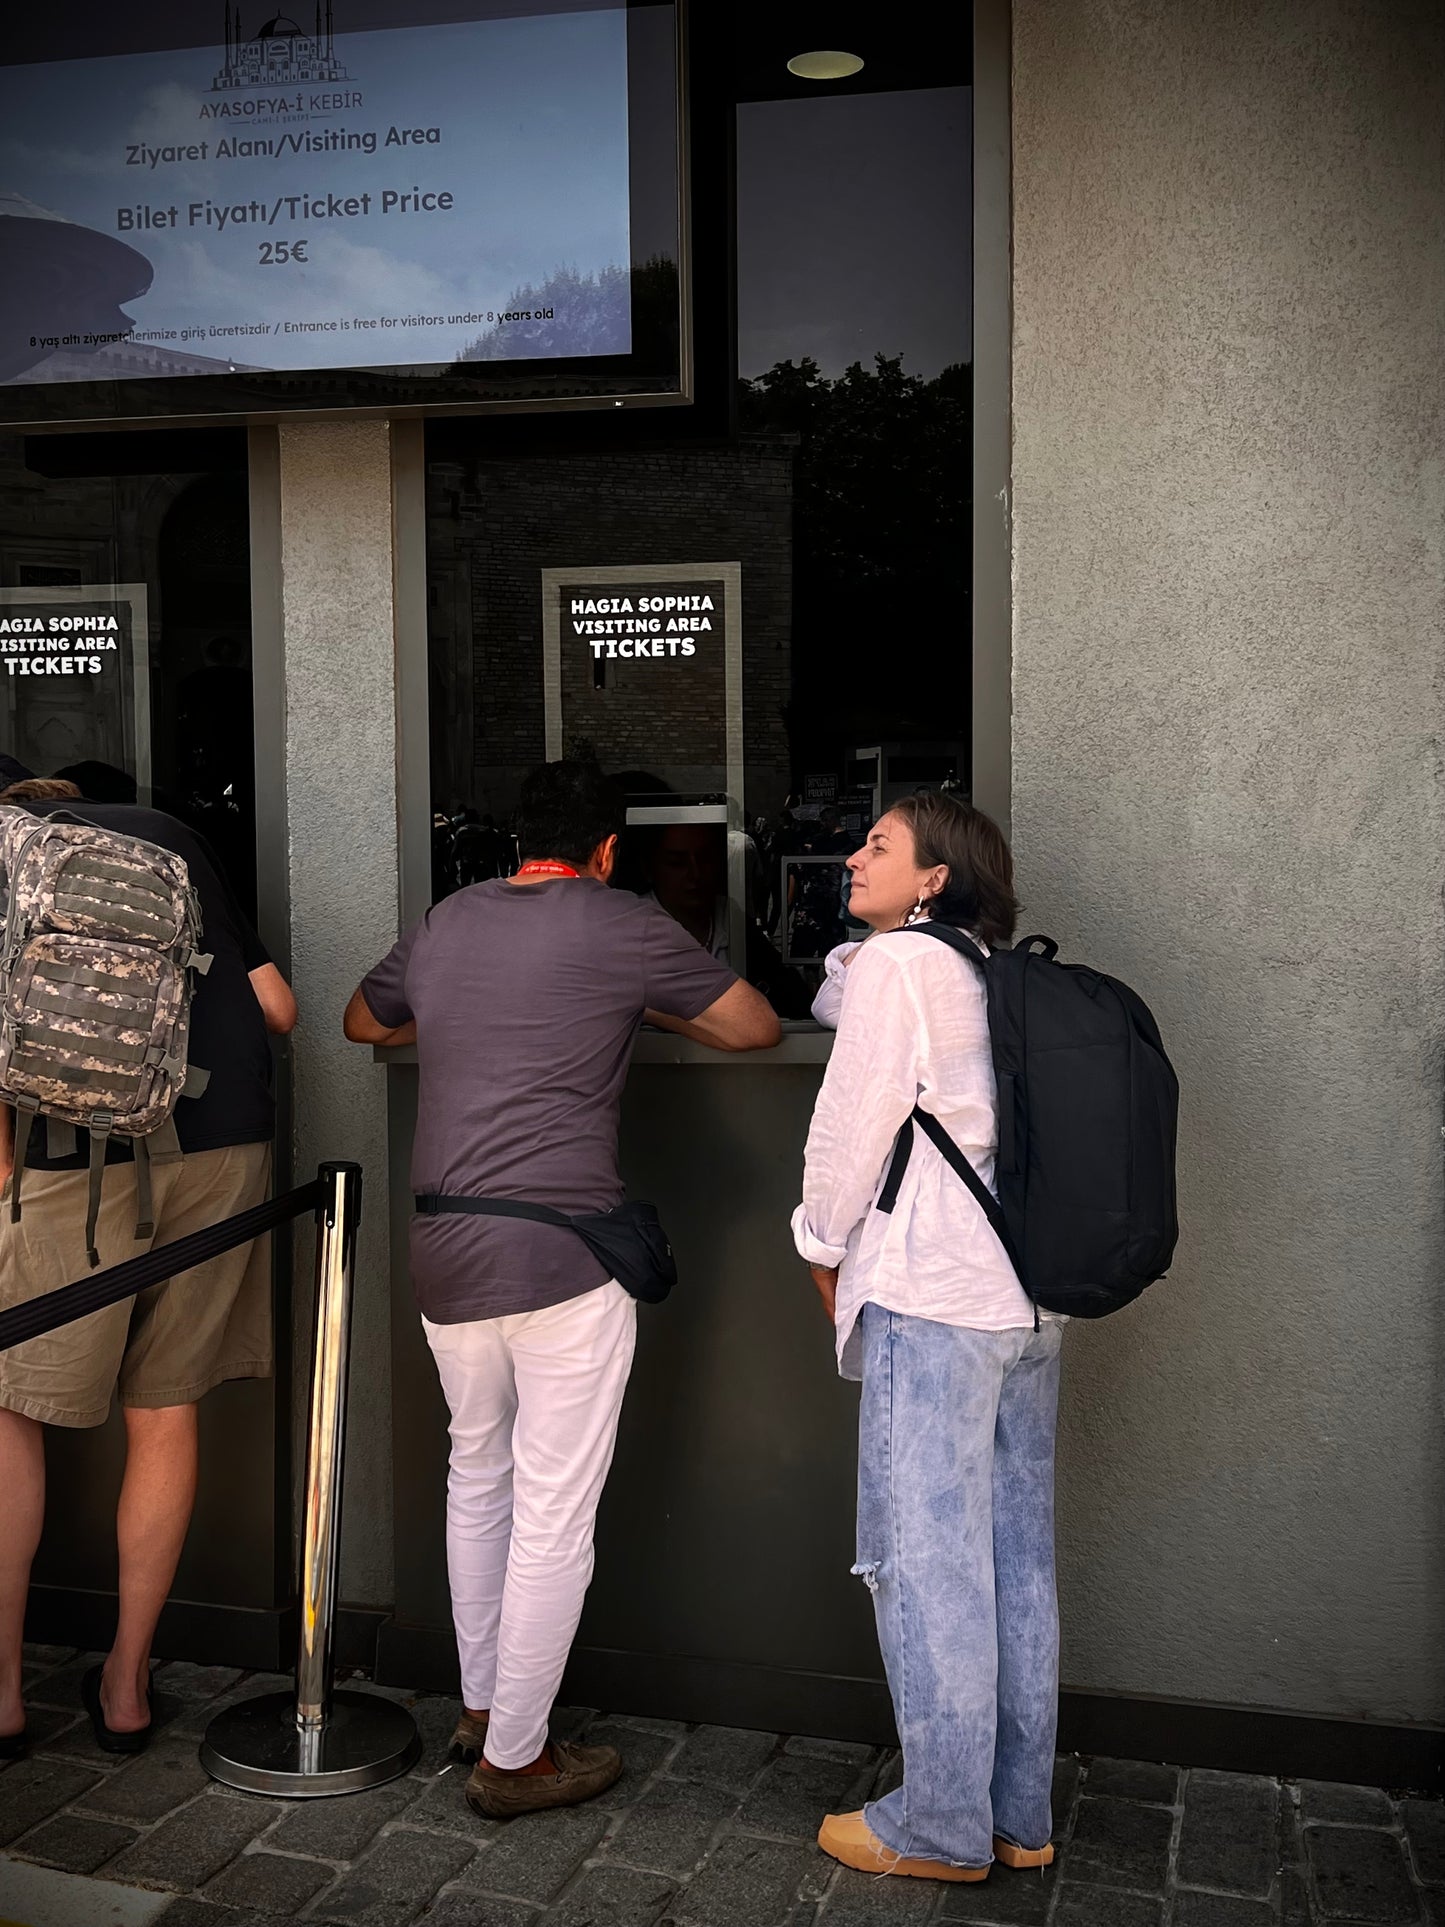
(102,934)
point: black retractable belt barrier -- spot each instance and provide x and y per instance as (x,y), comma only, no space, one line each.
(314,1740)
(62,1307)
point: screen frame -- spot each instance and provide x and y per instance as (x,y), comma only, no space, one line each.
(60,407)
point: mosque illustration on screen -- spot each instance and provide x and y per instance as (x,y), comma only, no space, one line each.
(279,54)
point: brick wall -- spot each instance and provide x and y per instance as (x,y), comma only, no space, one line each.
(505,521)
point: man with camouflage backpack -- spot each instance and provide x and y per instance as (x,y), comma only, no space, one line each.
(167,1347)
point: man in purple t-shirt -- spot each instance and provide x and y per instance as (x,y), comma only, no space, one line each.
(524,995)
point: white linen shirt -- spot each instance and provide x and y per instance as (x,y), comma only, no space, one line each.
(912,1028)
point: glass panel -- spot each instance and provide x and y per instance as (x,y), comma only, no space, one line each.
(765,633)
(125,634)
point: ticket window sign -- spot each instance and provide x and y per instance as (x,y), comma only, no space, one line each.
(439,204)
(75,675)
(642,665)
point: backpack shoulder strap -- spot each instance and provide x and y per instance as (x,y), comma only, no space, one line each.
(958,1163)
(958,940)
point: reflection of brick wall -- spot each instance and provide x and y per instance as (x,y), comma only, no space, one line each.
(668,709)
(507,520)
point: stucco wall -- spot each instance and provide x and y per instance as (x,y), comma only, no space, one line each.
(336,571)
(1228,512)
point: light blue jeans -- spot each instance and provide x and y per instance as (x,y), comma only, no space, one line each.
(956,1544)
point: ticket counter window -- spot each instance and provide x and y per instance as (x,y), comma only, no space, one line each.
(762,632)
(125,630)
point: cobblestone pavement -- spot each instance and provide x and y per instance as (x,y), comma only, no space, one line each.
(709,1827)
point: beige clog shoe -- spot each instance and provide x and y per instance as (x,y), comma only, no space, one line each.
(849,1838)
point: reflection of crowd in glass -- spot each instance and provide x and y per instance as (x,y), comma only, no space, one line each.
(807,901)
(469,848)
(800,911)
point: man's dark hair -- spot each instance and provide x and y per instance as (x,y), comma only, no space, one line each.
(567,809)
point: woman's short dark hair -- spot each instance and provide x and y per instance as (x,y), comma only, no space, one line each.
(566,809)
(979,893)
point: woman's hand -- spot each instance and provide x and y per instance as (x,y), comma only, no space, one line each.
(825,1277)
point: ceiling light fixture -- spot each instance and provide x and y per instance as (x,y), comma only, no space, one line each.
(825,65)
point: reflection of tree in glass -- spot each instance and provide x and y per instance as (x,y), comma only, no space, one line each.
(589,315)
(881,548)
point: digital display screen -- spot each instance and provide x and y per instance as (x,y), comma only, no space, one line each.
(446,198)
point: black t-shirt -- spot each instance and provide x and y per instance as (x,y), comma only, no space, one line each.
(228,1031)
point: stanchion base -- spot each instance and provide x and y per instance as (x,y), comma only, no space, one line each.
(256,1746)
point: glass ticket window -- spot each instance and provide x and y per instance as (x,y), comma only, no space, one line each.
(759,622)
(125,630)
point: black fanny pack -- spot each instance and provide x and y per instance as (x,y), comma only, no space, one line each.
(629,1239)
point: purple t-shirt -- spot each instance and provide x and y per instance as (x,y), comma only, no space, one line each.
(526,998)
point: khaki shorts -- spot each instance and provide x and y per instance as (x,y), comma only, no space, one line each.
(171,1343)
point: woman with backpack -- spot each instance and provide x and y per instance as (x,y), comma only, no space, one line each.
(960,1374)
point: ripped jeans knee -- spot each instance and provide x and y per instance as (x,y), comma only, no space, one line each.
(867,1571)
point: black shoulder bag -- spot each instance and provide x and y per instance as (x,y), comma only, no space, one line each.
(629,1239)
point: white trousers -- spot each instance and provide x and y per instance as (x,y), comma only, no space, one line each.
(535,1399)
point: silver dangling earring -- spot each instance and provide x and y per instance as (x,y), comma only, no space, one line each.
(914,914)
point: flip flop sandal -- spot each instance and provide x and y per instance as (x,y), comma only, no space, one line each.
(106,1737)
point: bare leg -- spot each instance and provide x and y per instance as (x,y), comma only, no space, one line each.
(22,1480)
(156,1499)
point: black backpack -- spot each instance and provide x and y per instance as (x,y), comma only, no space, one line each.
(1088,1105)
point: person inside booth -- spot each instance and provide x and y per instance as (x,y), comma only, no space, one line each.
(685,865)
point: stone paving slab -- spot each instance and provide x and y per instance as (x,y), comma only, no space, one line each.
(76,1843)
(671,1831)
(612,1897)
(1008,1898)
(390,1885)
(1121,1844)
(725,1756)
(186,1849)
(1361,1875)
(1220,1910)
(709,1827)
(791,1796)
(478,1910)
(533,1858)
(1323,1801)
(33,1789)
(1135,1780)
(1424,1822)
(1230,1837)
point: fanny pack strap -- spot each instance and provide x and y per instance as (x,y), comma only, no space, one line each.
(432,1203)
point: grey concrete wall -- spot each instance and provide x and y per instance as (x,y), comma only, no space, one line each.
(337,615)
(1228,513)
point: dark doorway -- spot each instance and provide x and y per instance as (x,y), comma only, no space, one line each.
(205,758)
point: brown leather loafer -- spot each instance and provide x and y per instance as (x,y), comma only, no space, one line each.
(582,1773)
(849,1838)
(468,1740)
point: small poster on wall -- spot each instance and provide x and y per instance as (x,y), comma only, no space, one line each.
(75,676)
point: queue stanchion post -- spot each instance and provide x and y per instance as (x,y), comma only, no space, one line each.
(319,1739)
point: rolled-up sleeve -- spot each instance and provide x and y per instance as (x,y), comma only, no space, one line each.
(869,1088)
(384,986)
